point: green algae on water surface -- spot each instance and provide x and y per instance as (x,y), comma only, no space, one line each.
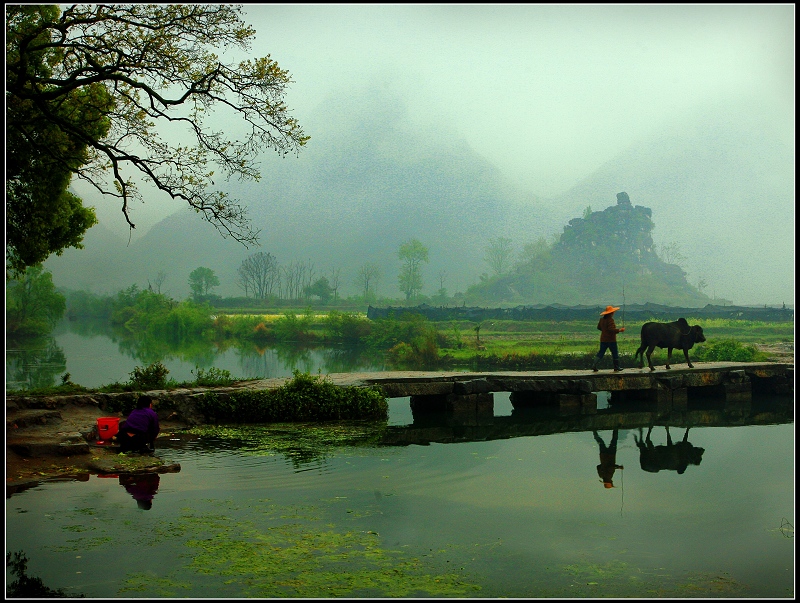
(618,579)
(283,553)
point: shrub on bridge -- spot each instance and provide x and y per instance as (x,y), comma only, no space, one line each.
(304,398)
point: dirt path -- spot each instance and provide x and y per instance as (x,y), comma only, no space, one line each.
(782,351)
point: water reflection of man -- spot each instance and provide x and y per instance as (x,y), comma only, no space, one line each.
(142,486)
(608,459)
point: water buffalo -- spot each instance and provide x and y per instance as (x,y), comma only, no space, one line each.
(672,457)
(668,335)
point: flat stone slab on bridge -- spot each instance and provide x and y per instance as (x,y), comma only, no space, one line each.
(431,383)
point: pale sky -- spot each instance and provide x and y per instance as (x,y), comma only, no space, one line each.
(548,93)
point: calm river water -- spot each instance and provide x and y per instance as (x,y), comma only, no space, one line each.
(271,511)
(94,357)
(445,510)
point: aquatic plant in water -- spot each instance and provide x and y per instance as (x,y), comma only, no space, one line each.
(294,552)
(299,443)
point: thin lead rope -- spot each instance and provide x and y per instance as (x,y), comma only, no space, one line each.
(622,483)
(623,304)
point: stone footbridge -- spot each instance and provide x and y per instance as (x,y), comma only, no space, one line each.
(470,394)
(732,382)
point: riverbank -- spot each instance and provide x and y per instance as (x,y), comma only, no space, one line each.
(61,442)
(56,436)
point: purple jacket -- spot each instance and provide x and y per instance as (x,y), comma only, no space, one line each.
(144,420)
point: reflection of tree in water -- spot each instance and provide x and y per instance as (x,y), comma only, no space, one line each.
(349,360)
(304,445)
(280,360)
(258,362)
(296,357)
(149,349)
(33,363)
(85,327)
(26,586)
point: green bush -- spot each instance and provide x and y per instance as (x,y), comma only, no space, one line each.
(181,322)
(291,327)
(728,350)
(212,376)
(151,377)
(422,352)
(303,398)
(348,327)
(388,332)
(262,333)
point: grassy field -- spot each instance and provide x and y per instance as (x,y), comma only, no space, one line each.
(515,343)
(506,338)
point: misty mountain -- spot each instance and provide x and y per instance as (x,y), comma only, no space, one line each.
(363,187)
(720,183)
(598,256)
(370,180)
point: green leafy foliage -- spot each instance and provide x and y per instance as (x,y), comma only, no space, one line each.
(86,82)
(347,327)
(291,327)
(412,254)
(201,281)
(212,376)
(320,288)
(422,352)
(303,398)
(153,376)
(388,332)
(84,304)
(45,141)
(728,350)
(143,312)
(33,306)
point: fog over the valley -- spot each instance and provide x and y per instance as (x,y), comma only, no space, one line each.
(553,108)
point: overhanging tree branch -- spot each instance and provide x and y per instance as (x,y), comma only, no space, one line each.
(89,89)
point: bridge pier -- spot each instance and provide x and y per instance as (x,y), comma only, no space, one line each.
(734,388)
(765,383)
(466,409)
(673,393)
(566,402)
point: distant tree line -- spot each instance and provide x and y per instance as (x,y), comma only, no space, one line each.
(261,277)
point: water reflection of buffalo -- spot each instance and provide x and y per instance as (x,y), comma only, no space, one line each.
(678,335)
(672,457)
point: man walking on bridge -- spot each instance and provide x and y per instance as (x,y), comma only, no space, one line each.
(608,338)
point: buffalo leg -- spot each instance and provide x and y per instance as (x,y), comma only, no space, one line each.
(686,353)
(650,353)
(669,357)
